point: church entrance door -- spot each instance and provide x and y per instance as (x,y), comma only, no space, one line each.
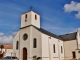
(24,54)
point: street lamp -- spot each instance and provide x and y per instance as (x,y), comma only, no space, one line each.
(11,54)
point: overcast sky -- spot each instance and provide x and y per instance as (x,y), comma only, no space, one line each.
(57,16)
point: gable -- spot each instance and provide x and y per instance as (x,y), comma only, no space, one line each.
(65,37)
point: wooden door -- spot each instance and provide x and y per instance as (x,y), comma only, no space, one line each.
(24,54)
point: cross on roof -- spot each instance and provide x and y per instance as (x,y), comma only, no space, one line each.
(31,8)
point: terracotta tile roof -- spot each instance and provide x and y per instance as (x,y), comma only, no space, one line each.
(8,47)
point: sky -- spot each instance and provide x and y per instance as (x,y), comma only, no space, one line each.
(56,16)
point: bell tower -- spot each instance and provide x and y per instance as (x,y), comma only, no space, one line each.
(30,18)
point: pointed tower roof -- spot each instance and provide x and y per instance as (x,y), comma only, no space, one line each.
(31,9)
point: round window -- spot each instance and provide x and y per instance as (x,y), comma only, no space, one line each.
(25,36)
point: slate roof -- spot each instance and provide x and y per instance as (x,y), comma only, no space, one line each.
(65,37)
(44,31)
(47,32)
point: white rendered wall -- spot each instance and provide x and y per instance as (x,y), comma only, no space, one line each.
(69,47)
(54,56)
(35,51)
(28,22)
(32,33)
(24,43)
(34,21)
(47,48)
(7,52)
(44,45)
(30,19)
(61,55)
(16,38)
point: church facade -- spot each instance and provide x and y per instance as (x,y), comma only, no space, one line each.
(34,43)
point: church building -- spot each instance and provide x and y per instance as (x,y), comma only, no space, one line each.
(34,43)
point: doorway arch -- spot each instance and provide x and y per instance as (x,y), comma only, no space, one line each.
(24,54)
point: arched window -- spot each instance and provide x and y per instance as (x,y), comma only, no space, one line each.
(35,17)
(34,43)
(61,49)
(17,45)
(54,48)
(26,16)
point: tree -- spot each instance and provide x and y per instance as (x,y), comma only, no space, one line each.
(1,46)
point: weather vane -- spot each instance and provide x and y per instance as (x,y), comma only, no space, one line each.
(31,8)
